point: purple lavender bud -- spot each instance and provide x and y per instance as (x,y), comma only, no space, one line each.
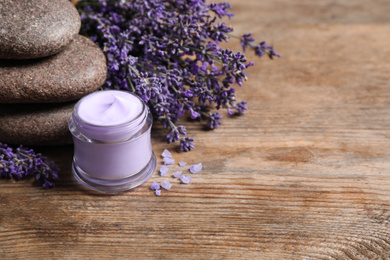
(166,185)
(173,136)
(194,114)
(188,94)
(155,186)
(48,184)
(215,120)
(177,174)
(186,144)
(166,154)
(221,9)
(246,40)
(185,179)
(242,106)
(196,168)
(164,169)
(158,192)
(182,130)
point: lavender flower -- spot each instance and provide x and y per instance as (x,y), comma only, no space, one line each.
(158,192)
(186,144)
(263,49)
(168,53)
(241,107)
(215,120)
(23,162)
(246,41)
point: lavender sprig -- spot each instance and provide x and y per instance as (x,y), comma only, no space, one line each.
(260,49)
(24,162)
(168,53)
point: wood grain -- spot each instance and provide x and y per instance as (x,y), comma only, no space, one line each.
(305,174)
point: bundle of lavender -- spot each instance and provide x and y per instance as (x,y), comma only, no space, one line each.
(168,53)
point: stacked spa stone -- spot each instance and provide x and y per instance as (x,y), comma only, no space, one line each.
(45,67)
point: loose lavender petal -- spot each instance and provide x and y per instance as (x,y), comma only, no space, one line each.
(185,179)
(166,185)
(177,174)
(164,169)
(158,192)
(169,161)
(182,164)
(166,154)
(155,186)
(196,168)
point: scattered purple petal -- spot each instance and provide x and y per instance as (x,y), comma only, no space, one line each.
(158,192)
(196,168)
(177,174)
(185,179)
(168,161)
(166,154)
(155,186)
(164,169)
(182,164)
(166,185)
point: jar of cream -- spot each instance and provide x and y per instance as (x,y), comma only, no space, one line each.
(111,136)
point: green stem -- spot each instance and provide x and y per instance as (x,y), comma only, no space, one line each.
(233,35)
(130,83)
(135,71)
(205,114)
(152,70)
(174,127)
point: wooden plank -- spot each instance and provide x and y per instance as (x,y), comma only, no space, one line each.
(303,175)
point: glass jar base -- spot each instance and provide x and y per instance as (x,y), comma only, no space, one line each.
(114,186)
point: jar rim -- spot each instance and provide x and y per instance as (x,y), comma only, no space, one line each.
(113,132)
(76,115)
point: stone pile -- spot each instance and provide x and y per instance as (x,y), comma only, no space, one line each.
(45,67)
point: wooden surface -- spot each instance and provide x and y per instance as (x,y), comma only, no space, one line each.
(305,174)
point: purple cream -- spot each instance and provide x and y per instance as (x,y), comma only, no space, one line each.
(111,135)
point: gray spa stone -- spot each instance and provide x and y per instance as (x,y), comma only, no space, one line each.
(35,124)
(36,28)
(69,75)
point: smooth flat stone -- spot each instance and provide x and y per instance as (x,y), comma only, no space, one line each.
(36,28)
(35,124)
(69,75)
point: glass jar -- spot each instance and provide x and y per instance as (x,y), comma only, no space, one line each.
(112,147)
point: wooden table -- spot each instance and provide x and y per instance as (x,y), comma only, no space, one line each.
(305,174)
